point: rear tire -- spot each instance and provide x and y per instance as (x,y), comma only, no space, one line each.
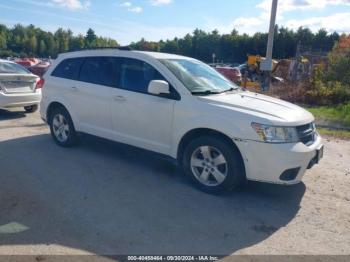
(213,165)
(62,128)
(31,109)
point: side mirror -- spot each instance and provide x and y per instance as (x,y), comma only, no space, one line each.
(158,87)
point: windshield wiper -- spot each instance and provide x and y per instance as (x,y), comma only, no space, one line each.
(205,93)
(230,90)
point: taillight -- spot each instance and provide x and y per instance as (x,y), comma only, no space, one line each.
(40,83)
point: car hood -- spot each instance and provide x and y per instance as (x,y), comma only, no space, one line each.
(269,108)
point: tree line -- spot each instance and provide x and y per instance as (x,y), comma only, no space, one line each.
(31,41)
(230,48)
(234,47)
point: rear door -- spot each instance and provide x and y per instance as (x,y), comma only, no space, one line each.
(62,85)
(98,76)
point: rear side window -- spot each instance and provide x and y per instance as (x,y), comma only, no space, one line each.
(100,71)
(135,75)
(68,68)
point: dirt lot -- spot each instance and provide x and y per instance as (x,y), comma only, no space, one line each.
(104,198)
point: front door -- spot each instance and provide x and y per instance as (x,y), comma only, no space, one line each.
(139,118)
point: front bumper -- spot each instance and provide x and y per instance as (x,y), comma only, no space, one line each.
(269,162)
(20,99)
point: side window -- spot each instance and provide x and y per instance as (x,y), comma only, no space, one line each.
(135,75)
(100,71)
(68,68)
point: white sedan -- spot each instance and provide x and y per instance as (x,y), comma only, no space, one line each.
(19,87)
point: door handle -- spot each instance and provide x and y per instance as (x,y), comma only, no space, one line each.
(74,88)
(119,98)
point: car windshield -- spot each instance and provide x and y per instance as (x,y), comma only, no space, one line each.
(198,77)
(12,68)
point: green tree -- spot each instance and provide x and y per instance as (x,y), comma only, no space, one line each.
(3,44)
(285,43)
(171,46)
(42,48)
(339,62)
(90,38)
(62,39)
(77,43)
(31,45)
(320,40)
(305,37)
(186,45)
(51,45)
(233,47)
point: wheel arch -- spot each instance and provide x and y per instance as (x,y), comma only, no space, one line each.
(197,132)
(51,108)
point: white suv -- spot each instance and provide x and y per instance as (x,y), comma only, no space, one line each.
(182,108)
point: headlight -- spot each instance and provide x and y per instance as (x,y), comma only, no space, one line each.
(276,134)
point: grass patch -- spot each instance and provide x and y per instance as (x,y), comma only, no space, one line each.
(343,134)
(338,114)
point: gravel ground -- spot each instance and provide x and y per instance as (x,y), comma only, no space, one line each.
(105,198)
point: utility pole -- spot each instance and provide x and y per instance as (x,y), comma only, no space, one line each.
(266,65)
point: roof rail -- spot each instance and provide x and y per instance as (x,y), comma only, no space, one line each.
(123,48)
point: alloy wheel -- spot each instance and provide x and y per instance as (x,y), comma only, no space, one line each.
(209,166)
(60,128)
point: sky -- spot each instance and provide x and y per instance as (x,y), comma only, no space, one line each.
(130,20)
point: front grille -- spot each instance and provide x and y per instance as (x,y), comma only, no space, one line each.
(307,133)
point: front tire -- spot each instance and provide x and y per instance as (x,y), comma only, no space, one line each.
(31,109)
(213,165)
(62,128)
